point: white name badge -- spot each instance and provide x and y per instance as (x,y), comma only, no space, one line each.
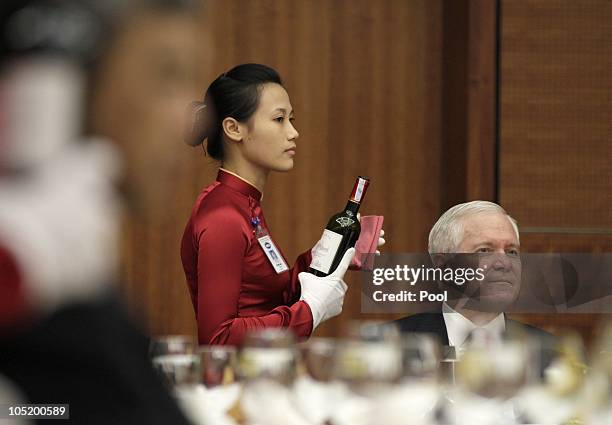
(325,251)
(273,254)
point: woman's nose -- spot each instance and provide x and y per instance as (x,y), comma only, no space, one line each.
(293,133)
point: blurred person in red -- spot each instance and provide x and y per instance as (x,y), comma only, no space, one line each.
(64,336)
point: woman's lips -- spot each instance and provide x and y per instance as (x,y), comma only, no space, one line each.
(290,151)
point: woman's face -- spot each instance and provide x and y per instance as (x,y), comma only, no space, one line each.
(270,136)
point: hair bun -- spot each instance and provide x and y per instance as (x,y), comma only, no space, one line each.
(197,124)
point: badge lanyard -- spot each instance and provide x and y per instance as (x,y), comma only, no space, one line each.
(268,246)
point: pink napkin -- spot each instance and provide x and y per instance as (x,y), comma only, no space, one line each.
(368,242)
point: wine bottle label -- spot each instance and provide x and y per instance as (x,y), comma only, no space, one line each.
(324,252)
(273,254)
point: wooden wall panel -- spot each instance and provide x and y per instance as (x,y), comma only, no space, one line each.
(469,101)
(555,168)
(555,149)
(481,101)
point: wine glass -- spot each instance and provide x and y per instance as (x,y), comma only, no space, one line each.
(488,378)
(369,357)
(599,380)
(267,362)
(218,364)
(421,357)
(555,391)
(269,354)
(318,356)
(220,390)
(174,359)
(368,365)
(171,344)
(315,392)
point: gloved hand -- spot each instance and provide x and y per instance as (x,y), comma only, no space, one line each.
(325,295)
(381,240)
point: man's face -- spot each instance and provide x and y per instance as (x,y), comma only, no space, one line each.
(492,237)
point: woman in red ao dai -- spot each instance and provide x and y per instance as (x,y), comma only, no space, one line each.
(237,276)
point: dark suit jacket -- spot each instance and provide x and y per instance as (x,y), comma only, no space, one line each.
(433,323)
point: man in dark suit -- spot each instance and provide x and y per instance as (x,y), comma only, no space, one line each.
(476,309)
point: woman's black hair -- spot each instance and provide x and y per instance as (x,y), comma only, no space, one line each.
(233,94)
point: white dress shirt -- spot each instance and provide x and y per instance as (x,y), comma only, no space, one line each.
(459,327)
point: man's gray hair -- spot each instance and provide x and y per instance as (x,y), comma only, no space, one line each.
(446,235)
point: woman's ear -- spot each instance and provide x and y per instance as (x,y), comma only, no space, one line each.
(233,129)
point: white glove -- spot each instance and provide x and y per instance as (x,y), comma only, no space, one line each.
(325,295)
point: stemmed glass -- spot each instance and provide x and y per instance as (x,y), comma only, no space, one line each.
(199,377)
(369,365)
(174,358)
(421,357)
(269,354)
(555,392)
(315,392)
(599,380)
(410,385)
(318,357)
(369,357)
(221,387)
(171,345)
(488,377)
(218,364)
(267,363)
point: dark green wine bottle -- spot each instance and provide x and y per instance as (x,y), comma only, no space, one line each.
(341,233)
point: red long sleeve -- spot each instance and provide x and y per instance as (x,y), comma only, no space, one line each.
(233,286)
(14,306)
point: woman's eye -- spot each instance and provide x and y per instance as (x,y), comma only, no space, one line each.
(292,119)
(279,119)
(483,249)
(513,252)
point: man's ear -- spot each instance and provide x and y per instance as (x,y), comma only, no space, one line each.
(440,260)
(233,129)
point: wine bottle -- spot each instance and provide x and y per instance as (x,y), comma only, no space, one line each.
(341,233)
